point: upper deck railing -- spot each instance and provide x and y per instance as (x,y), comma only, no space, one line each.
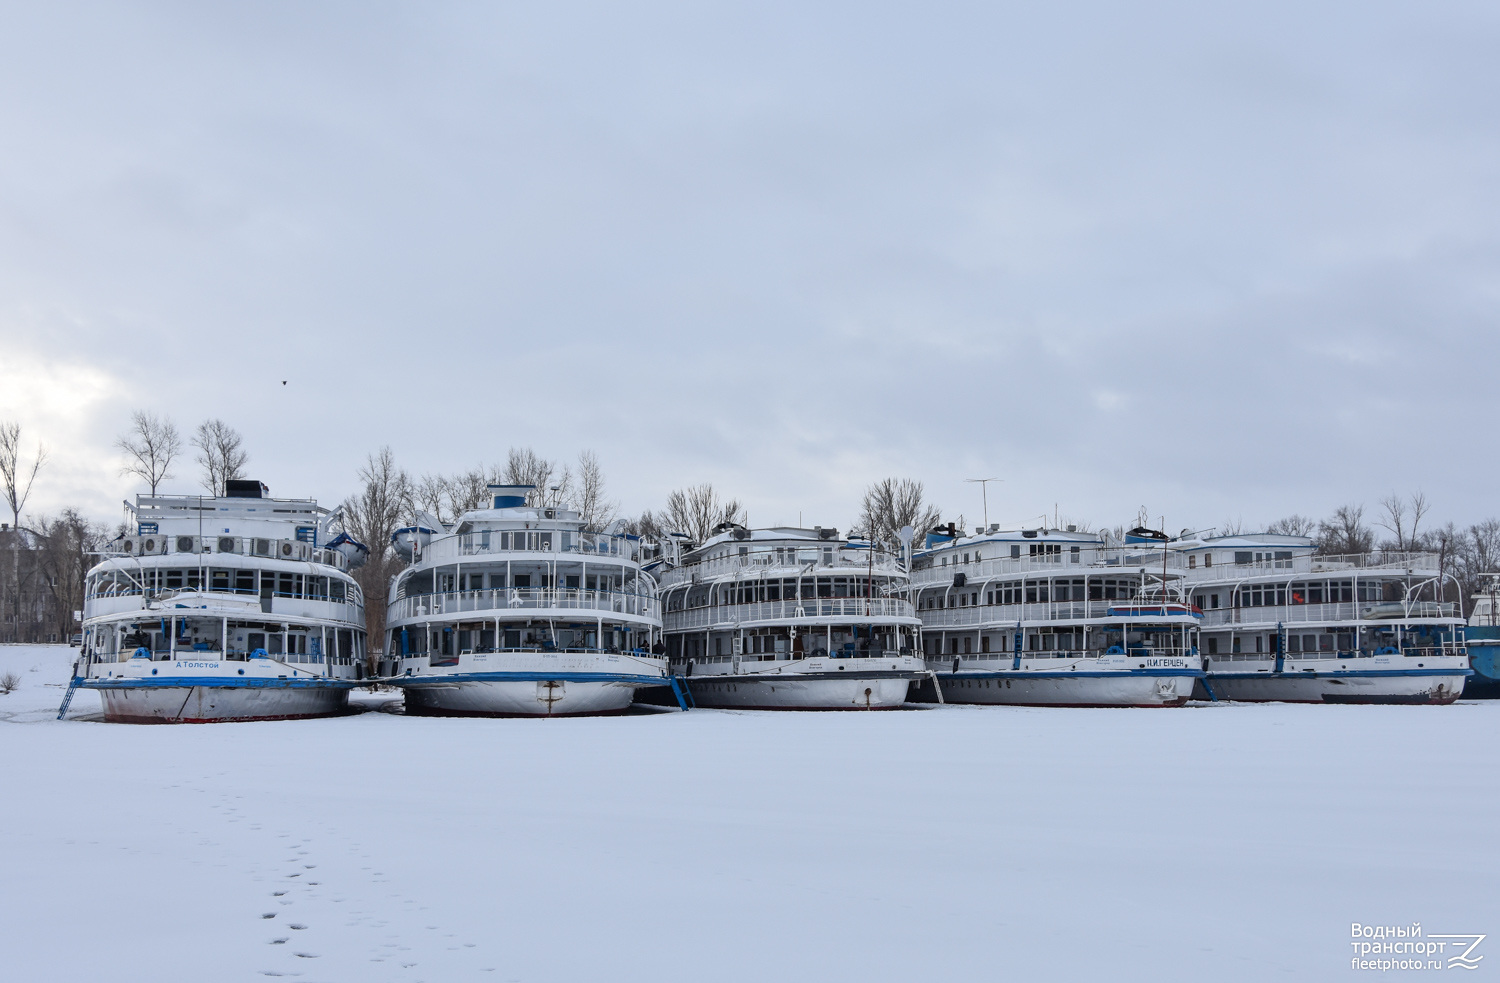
(806,561)
(1136,612)
(792,612)
(1316,563)
(1094,563)
(524,601)
(557,543)
(1343,611)
(237,605)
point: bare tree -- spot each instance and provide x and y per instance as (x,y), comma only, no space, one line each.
(1293,525)
(371,516)
(469,490)
(220,454)
(648,525)
(597,511)
(697,511)
(1344,532)
(67,545)
(150,446)
(430,493)
(892,503)
(553,483)
(1230,527)
(17,479)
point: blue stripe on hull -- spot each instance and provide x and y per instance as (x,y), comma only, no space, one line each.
(524,677)
(1059,674)
(179,682)
(1338,673)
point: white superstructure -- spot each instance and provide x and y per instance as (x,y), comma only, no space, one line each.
(1051,617)
(517,610)
(1283,622)
(790,619)
(232,608)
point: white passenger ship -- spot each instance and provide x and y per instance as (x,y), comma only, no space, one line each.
(790,619)
(224,609)
(1049,617)
(516,610)
(1284,623)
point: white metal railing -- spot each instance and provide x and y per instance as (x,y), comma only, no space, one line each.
(808,609)
(1310,564)
(561,541)
(164,603)
(792,562)
(1056,566)
(1051,611)
(523,599)
(1293,614)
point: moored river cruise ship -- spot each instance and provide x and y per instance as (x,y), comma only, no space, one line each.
(1282,622)
(790,619)
(517,610)
(1053,617)
(224,608)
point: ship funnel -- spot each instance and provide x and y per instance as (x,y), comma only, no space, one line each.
(510,496)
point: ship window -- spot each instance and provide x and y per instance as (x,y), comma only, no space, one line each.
(1243,558)
(174,580)
(1192,562)
(1015,552)
(1213,646)
(1208,559)
(219,580)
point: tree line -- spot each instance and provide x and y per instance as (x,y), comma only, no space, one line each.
(43,580)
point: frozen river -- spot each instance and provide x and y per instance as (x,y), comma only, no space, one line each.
(1210,842)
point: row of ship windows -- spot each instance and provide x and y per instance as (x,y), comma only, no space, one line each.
(1052,640)
(1278,559)
(753,592)
(255,582)
(1043,550)
(1316,592)
(447,582)
(1108,590)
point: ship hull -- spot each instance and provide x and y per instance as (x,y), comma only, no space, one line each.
(843,691)
(206,702)
(520,695)
(1070,689)
(1484,658)
(1400,686)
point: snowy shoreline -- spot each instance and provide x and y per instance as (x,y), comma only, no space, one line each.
(1239,841)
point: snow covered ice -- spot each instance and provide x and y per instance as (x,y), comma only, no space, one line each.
(1210,842)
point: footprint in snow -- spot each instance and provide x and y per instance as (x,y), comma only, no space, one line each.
(269,914)
(280,941)
(296,927)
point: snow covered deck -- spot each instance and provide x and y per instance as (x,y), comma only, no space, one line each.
(1217,842)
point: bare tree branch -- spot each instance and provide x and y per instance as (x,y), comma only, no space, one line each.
(220,454)
(892,503)
(151,444)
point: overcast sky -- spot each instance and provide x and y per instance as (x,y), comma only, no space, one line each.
(1217,263)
